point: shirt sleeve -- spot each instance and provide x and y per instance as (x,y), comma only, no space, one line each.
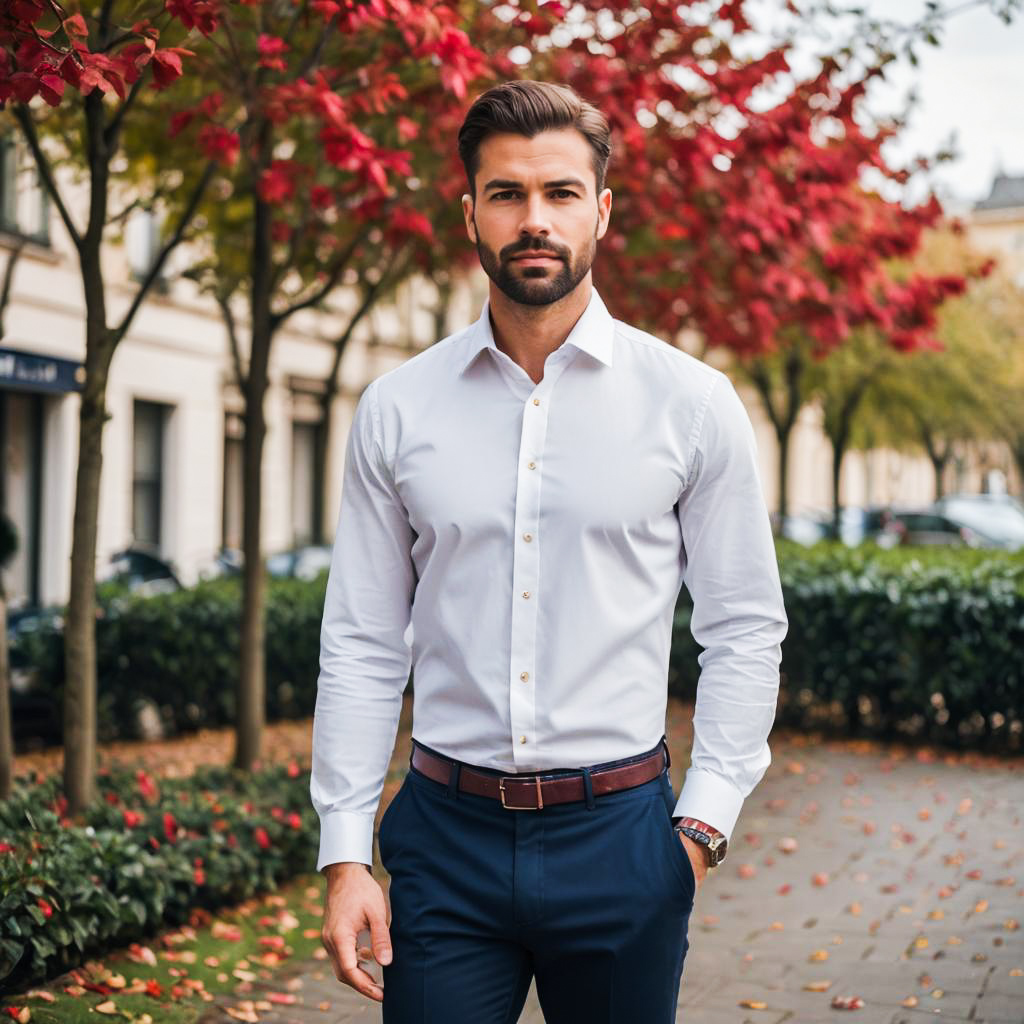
(739,618)
(364,657)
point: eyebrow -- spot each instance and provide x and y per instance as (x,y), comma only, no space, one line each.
(503,183)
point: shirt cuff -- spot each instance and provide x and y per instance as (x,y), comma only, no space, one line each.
(709,798)
(345,836)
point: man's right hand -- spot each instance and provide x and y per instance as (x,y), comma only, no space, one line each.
(354,903)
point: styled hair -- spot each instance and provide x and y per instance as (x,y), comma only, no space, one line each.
(525,107)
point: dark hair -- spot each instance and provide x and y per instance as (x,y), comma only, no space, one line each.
(529,108)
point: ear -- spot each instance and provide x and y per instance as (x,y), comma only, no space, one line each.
(467,213)
(604,211)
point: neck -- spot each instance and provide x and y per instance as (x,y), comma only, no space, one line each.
(529,334)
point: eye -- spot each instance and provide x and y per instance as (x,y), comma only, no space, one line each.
(507,194)
(563,193)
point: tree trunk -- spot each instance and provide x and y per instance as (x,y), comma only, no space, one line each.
(251,711)
(782,412)
(1017,450)
(938,455)
(80,623)
(6,736)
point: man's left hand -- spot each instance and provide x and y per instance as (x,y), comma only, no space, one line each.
(698,858)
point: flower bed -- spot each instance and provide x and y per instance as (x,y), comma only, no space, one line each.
(144,856)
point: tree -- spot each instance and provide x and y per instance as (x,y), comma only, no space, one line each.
(967,386)
(8,548)
(74,81)
(318,110)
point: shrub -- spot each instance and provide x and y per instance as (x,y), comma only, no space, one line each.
(141,858)
(179,653)
(913,643)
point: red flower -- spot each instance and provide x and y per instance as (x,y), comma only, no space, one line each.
(154,988)
(146,788)
(294,820)
(293,769)
(154,842)
(232,840)
(131,818)
(262,839)
(112,799)
(170,826)
(45,908)
(6,848)
(276,813)
(199,876)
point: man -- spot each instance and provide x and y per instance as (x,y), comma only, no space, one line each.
(530,494)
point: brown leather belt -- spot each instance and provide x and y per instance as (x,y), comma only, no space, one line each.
(534,792)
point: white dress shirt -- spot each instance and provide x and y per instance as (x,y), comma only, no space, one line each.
(536,536)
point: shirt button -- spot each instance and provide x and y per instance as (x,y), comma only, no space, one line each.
(526,594)
(522,739)
(531,465)
(536,401)
(527,537)
(525,676)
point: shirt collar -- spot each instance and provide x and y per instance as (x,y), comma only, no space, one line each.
(594,333)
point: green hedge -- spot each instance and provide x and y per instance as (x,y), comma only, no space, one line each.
(919,643)
(179,652)
(924,644)
(146,854)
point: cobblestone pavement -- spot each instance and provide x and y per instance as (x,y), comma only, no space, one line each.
(903,885)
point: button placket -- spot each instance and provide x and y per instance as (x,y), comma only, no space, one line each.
(526,582)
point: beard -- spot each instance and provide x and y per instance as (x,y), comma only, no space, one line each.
(536,286)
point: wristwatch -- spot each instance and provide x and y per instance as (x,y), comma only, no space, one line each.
(715,844)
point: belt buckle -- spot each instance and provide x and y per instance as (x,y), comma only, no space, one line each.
(512,807)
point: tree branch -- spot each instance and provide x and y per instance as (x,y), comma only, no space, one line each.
(224,301)
(153,273)
(5,293)
(44,170)
(320,293)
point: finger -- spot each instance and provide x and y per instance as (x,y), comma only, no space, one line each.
(365,985)
(380,937)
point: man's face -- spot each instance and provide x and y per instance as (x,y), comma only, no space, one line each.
(536,216)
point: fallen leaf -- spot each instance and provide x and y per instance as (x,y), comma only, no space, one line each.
(746,871)
(1011,924)
(108,1007)
(937,993)
(924,814)
(981,906)
(974,875)
(788,845)
(820,879)
(795,768)
(847,1003)
(753,1004)
(909,1002)
(817,986)
(818,955)
(41,993)
(964,806)
(784,888)
(249,1016)
(281,998)
(854,908)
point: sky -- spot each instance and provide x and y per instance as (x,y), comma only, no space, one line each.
(969,88)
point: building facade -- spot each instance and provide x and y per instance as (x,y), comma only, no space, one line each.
(171,480)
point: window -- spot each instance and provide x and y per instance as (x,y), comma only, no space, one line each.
(24,205)
(142,242)
(231,509)
(147,472)
(305,493)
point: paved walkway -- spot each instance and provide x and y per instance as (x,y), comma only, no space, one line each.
(903,885)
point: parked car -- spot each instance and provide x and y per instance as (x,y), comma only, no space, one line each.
(927,529)
(304,563)
(995,520)
(141,570)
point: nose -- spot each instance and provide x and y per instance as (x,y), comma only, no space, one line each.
(535,219)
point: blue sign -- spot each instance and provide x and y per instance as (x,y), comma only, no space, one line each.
(28,371)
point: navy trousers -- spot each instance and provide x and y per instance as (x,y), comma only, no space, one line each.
(592,899)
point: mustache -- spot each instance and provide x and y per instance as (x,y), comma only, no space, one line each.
(533,245)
